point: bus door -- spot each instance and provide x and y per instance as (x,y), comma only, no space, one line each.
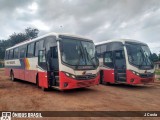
(54,66)
(119,66)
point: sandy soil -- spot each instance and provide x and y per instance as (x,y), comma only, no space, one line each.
(24,96)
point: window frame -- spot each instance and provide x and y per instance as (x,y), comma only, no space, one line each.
(111,52)
(11,57)
(30,53)
(17,53)
(21,48)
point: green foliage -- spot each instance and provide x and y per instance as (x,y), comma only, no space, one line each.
(31,33)
(154,57)
(157,72)
(159,56)
(16,38)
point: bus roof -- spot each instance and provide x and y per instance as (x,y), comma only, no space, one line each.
(119,40)
(49,34)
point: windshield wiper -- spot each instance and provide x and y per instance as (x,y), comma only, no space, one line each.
(91,59)
(145,58)
(80,56)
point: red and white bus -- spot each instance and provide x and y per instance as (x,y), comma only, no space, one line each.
(125,61)
(55,60)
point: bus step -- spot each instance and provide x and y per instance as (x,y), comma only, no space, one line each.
(55,87)
(123,79)
(57,80)
(122,74)
(121,71)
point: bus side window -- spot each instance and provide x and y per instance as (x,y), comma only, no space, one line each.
(108,59)
(22,51)
(11,54)
(103,50)
(30,50)
(98,51)
(6,55)
(41,44)
(16,53)
(36,49)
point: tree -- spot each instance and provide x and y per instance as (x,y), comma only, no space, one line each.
(16,38)
(154,57)
(159,56)
(31,33)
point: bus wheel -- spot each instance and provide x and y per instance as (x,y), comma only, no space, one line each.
(12,76)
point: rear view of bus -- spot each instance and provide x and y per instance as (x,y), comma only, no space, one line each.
(60,61)
(125,61)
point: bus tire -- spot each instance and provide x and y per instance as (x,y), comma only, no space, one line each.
(12,76)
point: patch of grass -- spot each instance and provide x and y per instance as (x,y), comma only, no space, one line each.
(157,72)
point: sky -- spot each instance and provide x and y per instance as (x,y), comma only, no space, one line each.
(99,20)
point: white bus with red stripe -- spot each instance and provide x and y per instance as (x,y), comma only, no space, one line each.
(54,60)
(125,61)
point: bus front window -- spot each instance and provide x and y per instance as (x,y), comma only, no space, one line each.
(139,55)
(78,52)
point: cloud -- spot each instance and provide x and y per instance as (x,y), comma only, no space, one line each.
(98,19)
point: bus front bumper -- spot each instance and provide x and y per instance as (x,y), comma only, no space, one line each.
(70,83)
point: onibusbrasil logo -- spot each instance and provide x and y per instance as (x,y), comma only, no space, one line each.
(6,116)
(9,115)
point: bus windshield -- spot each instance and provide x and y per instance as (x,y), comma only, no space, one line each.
(78,52)
(139,55)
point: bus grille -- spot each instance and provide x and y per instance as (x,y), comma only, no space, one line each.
(146,75)
(85,77)
(146,80)
(83,84)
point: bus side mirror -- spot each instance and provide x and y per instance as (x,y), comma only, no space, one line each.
(41,56)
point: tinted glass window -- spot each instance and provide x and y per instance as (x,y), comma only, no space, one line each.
(50,41)
(36,49)
(6,55)
(108,59)
(120,62)
(54,53)
(98,51)
(22,51)
(11,54)
(30,50)
(103,48)
(41,44)
(16,53)
(114,46)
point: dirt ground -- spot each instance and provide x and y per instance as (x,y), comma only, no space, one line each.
(24,96)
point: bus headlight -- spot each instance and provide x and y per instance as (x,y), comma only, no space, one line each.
(136,73)
(73,76)
(67,74)
(70,75)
